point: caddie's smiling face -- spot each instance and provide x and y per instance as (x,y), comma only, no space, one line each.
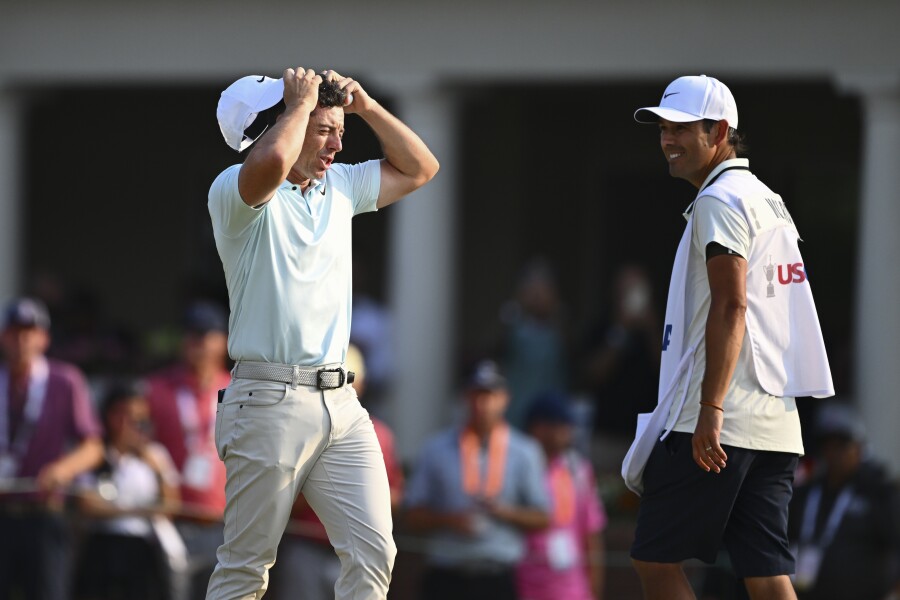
(689,149)
(322,142)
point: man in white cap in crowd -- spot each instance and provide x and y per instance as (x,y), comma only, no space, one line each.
(741,341)
(290,421)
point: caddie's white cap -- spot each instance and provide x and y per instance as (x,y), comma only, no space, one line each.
(241,102)
(692,98)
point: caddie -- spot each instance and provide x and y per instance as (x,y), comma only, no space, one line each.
(714,463)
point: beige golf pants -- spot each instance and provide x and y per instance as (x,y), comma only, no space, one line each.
(277,441)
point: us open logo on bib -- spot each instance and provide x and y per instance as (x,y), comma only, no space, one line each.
(787,274)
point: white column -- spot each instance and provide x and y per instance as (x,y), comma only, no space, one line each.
(877,358)
(10,198)
(422,273)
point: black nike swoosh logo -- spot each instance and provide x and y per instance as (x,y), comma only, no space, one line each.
(261,79)
(670,94)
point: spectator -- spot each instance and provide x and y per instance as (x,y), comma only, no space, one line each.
(183,401)
(48,436)
(566,560)
(534,343)
(476,490)
(844,523)
(127,552)
(308,566)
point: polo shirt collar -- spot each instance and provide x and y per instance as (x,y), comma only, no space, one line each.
(318,185)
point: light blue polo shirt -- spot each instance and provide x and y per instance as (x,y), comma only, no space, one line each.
(287,264)
(436,483)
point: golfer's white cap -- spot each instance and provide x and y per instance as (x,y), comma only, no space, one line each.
(692,98)
(241,102)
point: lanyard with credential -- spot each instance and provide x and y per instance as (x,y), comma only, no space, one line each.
(469,451)
(562,488)
(808,530)
(34,404)
(191,419)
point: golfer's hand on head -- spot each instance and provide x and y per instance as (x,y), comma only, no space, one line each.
(301,88)
(708,454)
(357,98)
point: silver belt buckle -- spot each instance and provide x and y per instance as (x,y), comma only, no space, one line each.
(320,379)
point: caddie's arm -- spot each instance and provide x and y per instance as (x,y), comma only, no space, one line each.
(273,155)
(408,163)
(725,326)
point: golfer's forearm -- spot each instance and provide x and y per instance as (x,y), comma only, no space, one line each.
(402,148)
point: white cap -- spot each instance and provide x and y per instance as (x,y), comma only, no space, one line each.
(692,98)
(241,102)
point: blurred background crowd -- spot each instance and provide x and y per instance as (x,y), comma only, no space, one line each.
(112,482)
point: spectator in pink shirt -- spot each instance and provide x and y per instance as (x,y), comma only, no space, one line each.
(566,560)
(183,400)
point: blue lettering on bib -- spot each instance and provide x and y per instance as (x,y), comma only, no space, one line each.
(667,336)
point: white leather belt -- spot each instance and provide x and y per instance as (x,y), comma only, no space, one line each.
(323,379)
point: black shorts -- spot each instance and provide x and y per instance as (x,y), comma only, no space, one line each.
(688,513)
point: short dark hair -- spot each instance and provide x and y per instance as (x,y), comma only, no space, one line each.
(330,95)
(118,392)
(735,137)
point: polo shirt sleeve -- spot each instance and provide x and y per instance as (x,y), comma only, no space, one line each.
(230,215)
(715,221)
(362,183)
(85,423)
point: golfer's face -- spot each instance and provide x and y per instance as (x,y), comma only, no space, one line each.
(322,142)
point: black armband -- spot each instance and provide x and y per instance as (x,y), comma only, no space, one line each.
(717,249)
